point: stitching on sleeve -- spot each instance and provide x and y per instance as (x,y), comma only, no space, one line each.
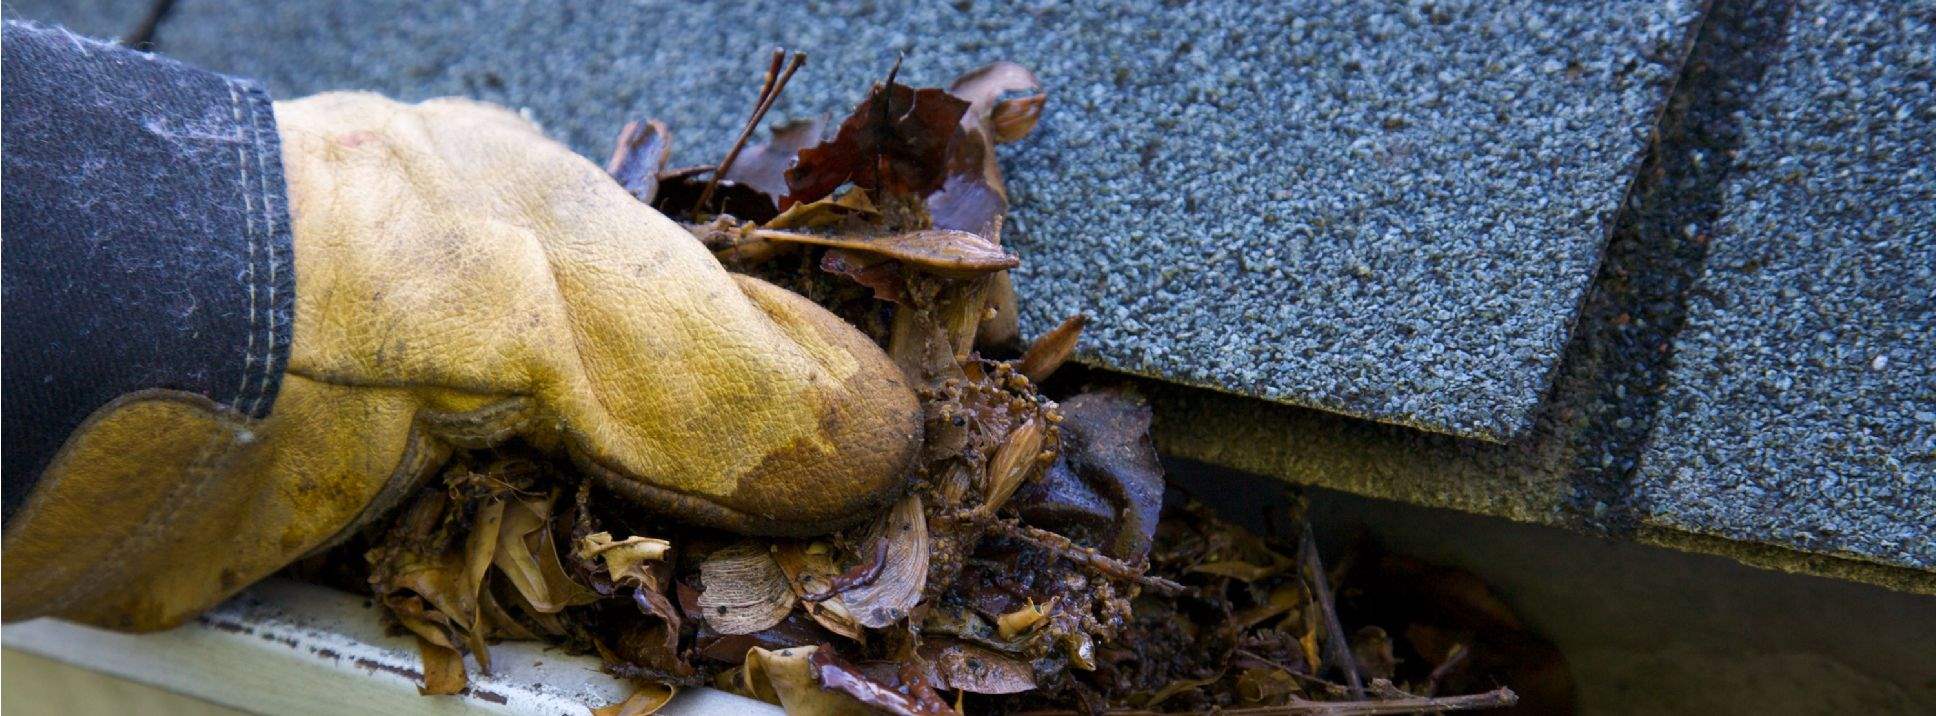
(249,278)
(269,248)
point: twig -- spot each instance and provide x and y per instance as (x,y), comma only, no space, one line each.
(1326,683)
(1454,658)
(1062,547)
(1307,555)
(1497,698)
(887,118)
(770,89)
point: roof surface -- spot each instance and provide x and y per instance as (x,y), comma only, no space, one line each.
(1803,403)
(1749,369)
(1388,212)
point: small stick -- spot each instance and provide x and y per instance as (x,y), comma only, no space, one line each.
(1307,554)
(1062,547)
(770,90)
(1326,683)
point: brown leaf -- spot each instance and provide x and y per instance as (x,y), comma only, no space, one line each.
(744,589)
(1050,351)
(797,628)
(787,678)
(443,669)
(973,196)
(977,669)
(810,570)
(891,595)
(911,696)
(639,156)
(1285,598)
(1267,685)
(878,273)
(985,87)
(942,252)
(1105,436)
(625,560)
(763,167)
(498,621)
(646,700)
(896,140)
(528,557)
(1021,621)
(1013,119)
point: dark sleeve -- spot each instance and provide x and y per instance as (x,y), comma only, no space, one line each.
(146,239)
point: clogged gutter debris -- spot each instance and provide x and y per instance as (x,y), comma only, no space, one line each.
(1034,566)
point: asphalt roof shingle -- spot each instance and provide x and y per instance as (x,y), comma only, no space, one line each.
(1802,406)
(1384,211)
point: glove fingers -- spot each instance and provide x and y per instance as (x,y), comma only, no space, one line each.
(447,246)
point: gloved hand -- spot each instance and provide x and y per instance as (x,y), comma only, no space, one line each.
(462,280)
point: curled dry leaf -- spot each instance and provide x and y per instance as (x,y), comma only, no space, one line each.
(646,700)
(785,677)
(639,157)
(1285,599)
(744,589)
(904,571)
(853,211)
(763,167)
(977,669)
(1106,438)
(528,557)
(810,570)
(625,560)
(903,691)
(443,669)
(989,91)
(973,197)
(1021,621)
(880,274)
(896,139)
(1013,119)
(1051,350)
(942,252)
(1267,686)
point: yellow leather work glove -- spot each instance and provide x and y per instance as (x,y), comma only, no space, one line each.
(462,280)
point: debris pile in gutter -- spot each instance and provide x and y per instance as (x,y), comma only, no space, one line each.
(1035,565)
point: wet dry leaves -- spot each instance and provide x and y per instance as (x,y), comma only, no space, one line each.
(895,141)
(1032,565)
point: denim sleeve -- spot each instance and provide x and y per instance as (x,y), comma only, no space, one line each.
(146,236)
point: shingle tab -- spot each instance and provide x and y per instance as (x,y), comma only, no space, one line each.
(1388,211)
(1802,408)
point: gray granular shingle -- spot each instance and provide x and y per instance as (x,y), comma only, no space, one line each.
(108,19)
(1383,210)
(1802,408)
